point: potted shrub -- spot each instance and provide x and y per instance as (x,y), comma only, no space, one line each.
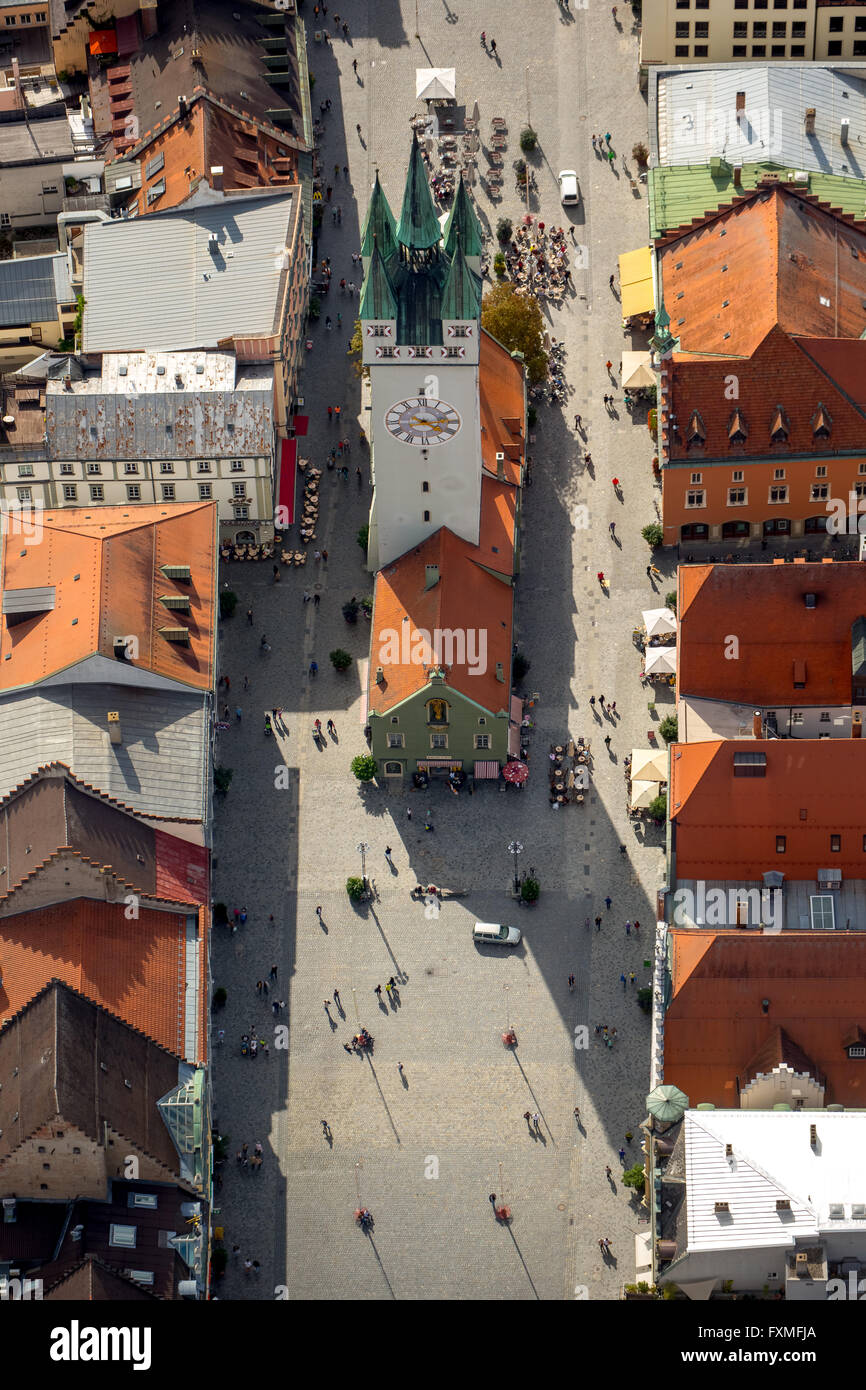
(671,600)
(228,602)
(640,153)
(653,533)
(350,610)
(222,779)
(634,1177)
(315,307)
(669,728)
(363,537)
(367,606)
(530,889)
(658,808)
(340,660)
(645,998)
(651,706)
(499,264)
(528,139)
(519,667)
(219,997)
(220,914)
(364,767)
(504,229)
(356,888)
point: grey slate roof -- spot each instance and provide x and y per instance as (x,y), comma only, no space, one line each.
(176,424)
(36,141)
(697,116)
(160,769)
(31,289)
(188,296)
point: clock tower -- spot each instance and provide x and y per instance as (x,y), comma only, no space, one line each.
(420,315)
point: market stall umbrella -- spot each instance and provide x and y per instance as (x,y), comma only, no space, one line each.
(515,772)
(659,621)
(667,1103)
(476,114)
(643,794)
(432,84)
(636,371)
(661,661)
(645,764)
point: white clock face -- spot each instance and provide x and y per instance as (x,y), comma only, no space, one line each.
(422,420)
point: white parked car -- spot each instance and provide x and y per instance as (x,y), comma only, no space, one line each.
(569,188)
(492,934)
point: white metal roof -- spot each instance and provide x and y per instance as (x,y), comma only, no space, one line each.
(159,282)
(773,1159)
(697,116)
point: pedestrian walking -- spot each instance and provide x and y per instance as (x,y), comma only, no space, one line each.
(358,128)
(571,982)
(607,742)
(492,45)
(259,986)
(577,1112)
(250,616)
(246,682)
(328,323)
(347,1047)
(622,1155)
(388,853)
(388,991)
(587,459)
(607,142)
(601,1245)
(598,924)
(577,421)
(483,39)
(601,701)
(608,1171)
(607,366)
(492,1199)
(536,1120)
(622,980)
(622,849)
(273,973)
(328,191)
(378,991)
(355,65)
(636,926)
(328,1007)
(326,1128)
(628,928)
(319,913)
(238,713)
(324,557)
(400,1068)
(243,915)
(631,977)
(610,282)
(248,1265)
(408,812)
(592,701)
(392,982)
(612,708)
(607,903)
(612,528)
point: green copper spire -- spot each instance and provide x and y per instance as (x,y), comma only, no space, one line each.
(463,221)
(419,228)
(662,338)
(461,296)
(379,224)
(378,300)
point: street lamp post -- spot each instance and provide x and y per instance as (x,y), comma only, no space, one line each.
(362,850)
(515,848)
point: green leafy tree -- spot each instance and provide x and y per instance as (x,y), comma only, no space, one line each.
(658,807)
(222,779)
(364,766)
(356,889)
(355,350)
(515,320)
(228,602)
(653,533)
(671,600)
(340,660)
(528,139)
(669,728)
(530,890)
(634,1177)
(363,537)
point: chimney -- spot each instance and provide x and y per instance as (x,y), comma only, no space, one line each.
(216,177)
(182,107)
(114,734)
(500,467)
(844,127)
(810,120)
(67,383)
(738,175)
(757,725)
(431,577)
(380,676)
(741,106)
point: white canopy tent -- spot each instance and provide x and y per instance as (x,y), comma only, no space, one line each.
(661,661)
(435,84)
(636,370)
(649,764)
(659,621)
(642,794)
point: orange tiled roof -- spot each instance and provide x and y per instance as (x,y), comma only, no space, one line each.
(104,569)
(466,597)
(132,968)
(503,426)
(774,630)
(796,374)
(715,1027)
(726,826)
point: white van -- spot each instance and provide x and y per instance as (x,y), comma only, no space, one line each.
(494,935)
(569,188)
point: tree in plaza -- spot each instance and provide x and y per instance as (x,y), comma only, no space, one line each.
(516,322)
(364,767)
(634,1177)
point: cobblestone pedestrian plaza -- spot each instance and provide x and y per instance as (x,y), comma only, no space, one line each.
(431,1122)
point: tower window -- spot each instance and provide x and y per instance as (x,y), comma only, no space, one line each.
(425,486)
(426,516)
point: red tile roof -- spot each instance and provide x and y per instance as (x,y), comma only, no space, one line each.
(774,629)
(133,968)
(715,1027)
(503,424)
(726,825)
(104,570)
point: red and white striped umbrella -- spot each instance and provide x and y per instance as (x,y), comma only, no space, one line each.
(515,772)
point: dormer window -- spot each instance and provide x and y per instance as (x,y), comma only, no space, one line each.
(696,434)
(779,429)
(821,424)
(737,429)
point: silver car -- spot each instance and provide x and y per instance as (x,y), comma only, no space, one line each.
(491,933)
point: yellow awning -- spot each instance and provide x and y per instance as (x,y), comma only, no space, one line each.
(636,282)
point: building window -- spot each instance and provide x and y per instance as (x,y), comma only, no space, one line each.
(482,740)
(701,50)
(837,24)
(759,50)
(154,165)
(237,466)
(681,50)
(133,492)
(737,475)
(426,516)
(460,330)
(130,468)
(25,470)
(834,48)
(438,740)
(425,486)
(393,769)
(696,499)
(122,1235)
(780,29)
(94,470)
(142,1199)
(737,496)
(781,844)
(835,844)
(67,470)
(97,492)
(859,48)
(166,467)
(777,50)
(696,479)
(819,492)
(203,466)
(857,1051)
(741,29)
(453,352)
(738,50)
(778,494)
(860,489)
(205,492)
(242,513)
(859,25)
(168,492)
(239,489)
(386,352)
(25,494)
(5,219)
(798,29)
(155,191)
(70,492)
(702,30)
(778,474)
(821,470)
(396,740)
(759,29)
